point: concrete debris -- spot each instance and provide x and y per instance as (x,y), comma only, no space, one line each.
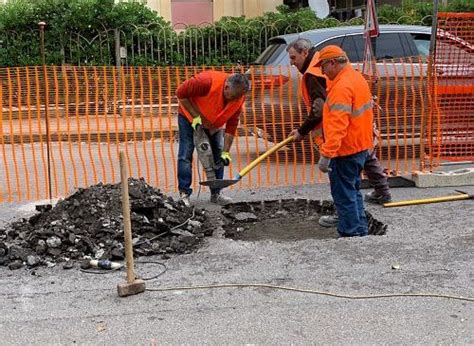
(90,223)
(245,217)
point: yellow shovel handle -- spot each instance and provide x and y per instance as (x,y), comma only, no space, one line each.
(262,157)
(426,201)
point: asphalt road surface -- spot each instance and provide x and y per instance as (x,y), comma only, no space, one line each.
(431,245)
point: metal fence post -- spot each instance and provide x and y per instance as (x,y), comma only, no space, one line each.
(118,61)
(118,65)
(46,107)
(431,80)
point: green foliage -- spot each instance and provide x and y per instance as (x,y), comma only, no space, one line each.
(76,32)
(82,32)
(459,6)
(419,13)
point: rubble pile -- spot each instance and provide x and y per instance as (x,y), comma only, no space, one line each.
(90,223)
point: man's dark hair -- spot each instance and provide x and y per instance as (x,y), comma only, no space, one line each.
(300,45)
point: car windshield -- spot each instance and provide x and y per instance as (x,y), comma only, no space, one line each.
(271,53)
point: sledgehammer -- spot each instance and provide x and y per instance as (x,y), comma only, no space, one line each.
(133,285)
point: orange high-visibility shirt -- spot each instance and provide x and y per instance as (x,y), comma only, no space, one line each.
(347,115)
(215,111)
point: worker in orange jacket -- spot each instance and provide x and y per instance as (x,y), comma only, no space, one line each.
(348,138)
(213,100)
(313,85)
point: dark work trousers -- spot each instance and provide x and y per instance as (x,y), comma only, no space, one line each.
(345,179)
(185,154)
(375,174)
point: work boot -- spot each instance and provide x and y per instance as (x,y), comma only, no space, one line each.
(220,199)
(184,197)
(329,220)
(378,198)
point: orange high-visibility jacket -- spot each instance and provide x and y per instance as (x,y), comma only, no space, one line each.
(214,111)
(315,71)
(347,115)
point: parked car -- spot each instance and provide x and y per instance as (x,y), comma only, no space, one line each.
(401,53)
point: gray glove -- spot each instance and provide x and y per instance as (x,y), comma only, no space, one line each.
(324,164)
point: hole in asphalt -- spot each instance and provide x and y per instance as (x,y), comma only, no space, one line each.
(284,220)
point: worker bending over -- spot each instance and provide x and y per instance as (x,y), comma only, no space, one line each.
(213,100)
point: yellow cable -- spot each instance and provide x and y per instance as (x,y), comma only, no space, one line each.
(375,296)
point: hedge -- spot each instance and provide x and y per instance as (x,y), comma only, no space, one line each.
(82,32)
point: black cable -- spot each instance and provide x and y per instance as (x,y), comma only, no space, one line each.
(165,269)
(109,271)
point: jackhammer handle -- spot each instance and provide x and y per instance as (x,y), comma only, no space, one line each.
(262,157)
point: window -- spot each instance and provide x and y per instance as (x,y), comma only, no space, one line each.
(271,53)
(347,43)
(422,43)
(295,4)
(389,46)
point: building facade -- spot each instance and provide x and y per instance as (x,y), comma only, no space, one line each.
(194,12)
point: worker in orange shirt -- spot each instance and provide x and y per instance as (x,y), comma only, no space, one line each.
(347,138)
(304,56)
(213,100)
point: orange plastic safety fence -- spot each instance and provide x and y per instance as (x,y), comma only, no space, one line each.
(451,133)
(94,112)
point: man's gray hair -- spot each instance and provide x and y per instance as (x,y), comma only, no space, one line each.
(342,59)
(238,80)
(300,45)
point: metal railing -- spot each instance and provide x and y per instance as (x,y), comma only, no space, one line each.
(156,44)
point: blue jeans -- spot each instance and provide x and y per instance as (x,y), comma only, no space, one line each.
(345,189)
(185,154)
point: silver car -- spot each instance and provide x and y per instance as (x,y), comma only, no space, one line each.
(401,53)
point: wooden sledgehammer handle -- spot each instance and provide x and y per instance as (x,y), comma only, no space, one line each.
(127,227)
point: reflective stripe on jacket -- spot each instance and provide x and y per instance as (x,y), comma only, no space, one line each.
(214,111)
(347,115)
(317,132)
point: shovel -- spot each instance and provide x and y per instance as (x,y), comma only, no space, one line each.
(223,183)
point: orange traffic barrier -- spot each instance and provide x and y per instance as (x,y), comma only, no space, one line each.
(81,117)
(452,89)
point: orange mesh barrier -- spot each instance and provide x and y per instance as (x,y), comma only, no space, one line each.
(451,132)
(62,128)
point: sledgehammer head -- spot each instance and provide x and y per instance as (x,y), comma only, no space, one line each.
(128,289)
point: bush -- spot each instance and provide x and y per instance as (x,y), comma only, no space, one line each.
(82,32)
(419,13)
(77,31)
